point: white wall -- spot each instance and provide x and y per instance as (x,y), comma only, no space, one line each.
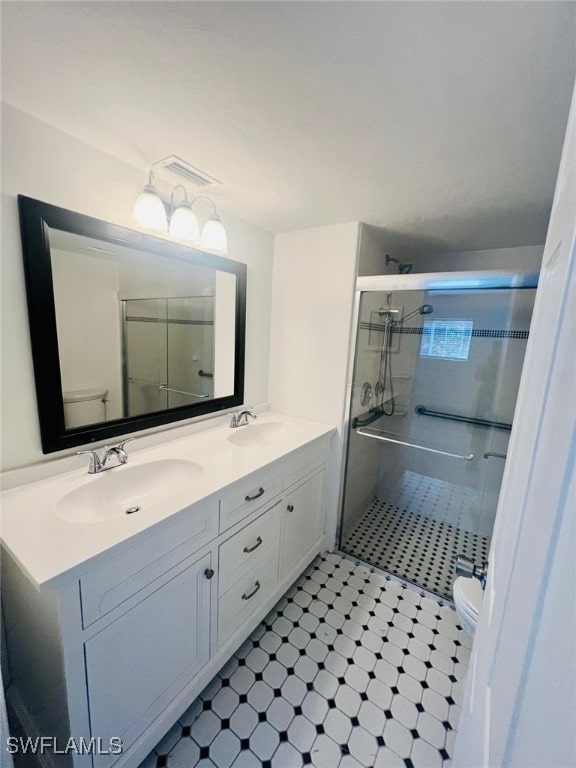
(41,161)
(526,257)
(88,322)
(312,302)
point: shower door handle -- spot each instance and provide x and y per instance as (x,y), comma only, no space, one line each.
(366,432)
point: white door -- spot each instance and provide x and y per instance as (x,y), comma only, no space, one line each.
(520,700)
(138,664)
(302,523)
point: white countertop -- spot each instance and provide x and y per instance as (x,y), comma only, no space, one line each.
(51,549)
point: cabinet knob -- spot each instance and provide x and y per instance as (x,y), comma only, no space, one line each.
(290,507)
(209,572)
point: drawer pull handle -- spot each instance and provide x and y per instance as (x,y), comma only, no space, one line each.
(290,507)
(251,549)
(209,573)
(256,495)
(256,588)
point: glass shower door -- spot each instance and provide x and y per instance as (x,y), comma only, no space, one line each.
(435,381)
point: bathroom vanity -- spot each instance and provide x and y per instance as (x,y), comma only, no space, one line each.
(117,617)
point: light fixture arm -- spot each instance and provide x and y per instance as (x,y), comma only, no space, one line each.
(185,201)
(203,197)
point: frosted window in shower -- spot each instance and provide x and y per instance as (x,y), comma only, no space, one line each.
(446,338)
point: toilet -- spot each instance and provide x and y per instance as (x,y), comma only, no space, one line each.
(468,596)
(84,406)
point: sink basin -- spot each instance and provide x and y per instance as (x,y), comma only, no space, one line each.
(127,490)
(258,434)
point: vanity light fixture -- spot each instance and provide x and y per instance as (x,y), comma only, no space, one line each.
(213,233)
(149,210)
(181,222)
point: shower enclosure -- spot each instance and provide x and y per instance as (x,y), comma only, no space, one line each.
(435,375)
(168,352)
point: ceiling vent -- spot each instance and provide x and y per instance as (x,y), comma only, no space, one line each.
(181,168)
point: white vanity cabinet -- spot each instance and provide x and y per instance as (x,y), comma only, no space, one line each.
(120,646)
(136,665)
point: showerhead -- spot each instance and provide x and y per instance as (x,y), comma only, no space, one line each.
(403,269)
(426,309)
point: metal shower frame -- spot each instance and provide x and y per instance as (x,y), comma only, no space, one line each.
(425,281)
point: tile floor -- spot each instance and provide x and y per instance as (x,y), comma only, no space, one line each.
(471,509)
(413,546)
(350,669)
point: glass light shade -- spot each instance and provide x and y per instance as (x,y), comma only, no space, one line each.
(149,210)
(184,224)
(214,236)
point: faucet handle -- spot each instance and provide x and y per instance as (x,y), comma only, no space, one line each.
(123,443)
(95,461)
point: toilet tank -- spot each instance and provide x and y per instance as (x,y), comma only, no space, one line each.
(84,406)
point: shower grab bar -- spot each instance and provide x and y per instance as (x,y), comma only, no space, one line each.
(386,439)
(495,455)
(421,410)
(166,388)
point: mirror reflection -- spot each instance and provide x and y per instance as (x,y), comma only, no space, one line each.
(138,334)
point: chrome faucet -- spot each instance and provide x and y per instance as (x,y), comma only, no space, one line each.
(240,419)
(98,464)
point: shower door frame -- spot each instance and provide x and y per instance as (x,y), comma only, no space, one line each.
(424,281)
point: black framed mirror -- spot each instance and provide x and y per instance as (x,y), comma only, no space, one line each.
(128,331)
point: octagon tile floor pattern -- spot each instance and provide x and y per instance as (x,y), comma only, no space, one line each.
(350,669)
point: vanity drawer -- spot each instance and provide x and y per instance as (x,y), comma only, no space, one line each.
(259,540)
(305,461)
(243,599)
(140,568)
(249,496)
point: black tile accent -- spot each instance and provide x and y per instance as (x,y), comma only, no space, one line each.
(186,731)
(204,753)
(355,722)
(262,717)
(244,744)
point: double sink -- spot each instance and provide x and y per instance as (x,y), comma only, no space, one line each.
(128,489)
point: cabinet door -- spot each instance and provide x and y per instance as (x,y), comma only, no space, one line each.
(137,664)
(303,520)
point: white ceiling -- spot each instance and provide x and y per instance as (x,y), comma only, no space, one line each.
(441,122)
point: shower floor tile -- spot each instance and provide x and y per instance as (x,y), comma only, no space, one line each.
(359,690)
(413,546)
